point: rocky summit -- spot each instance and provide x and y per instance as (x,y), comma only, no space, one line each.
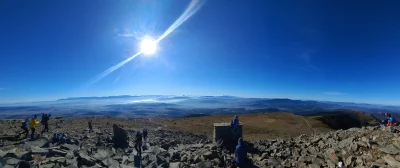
(356,147)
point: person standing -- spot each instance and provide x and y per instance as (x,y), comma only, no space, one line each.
(235,128)
(145,135)
(34,121)
(138,143)
(45,122)
(24,126)
(241,154)
(90,126)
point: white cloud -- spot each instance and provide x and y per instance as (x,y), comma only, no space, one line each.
(334,93)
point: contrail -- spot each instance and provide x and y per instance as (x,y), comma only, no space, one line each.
(191,9)
(111,69)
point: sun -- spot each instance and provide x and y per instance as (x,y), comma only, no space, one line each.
(148,46)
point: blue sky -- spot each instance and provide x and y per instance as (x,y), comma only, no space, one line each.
(308,49)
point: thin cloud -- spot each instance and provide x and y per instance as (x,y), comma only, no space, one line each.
(307,55)
(127,35)
(334,93)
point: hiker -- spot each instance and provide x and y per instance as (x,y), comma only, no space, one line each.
(235,128)
(145,134)
(90,126)
(45,122)
(241,154)
(138,143)
(391,121)
(34,121)
(24,126)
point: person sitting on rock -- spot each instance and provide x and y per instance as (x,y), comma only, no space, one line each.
(24,126)
(241,154)
(34,121)
(138,143)
(391,121)
(235,127)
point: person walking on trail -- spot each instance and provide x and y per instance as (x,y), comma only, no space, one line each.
(145,134)
(90,126)
(34,121)
(241,154)
(235,128)
(45,122)
(138,143)
(24,126)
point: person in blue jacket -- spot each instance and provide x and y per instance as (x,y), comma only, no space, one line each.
(241,154)
(235,128)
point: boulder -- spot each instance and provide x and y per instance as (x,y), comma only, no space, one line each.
(101,155)
(204,164)
(390,149)
(37,150)
(58,152)
(120,137)
(391,161)
(175,164)
(13,161)
(70,147)
(109,162)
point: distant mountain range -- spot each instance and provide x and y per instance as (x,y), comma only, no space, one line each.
(179,106)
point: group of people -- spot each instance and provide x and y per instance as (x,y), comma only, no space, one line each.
(241,159)
(31,124)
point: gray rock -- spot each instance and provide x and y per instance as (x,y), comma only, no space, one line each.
(50,165)
(273,161)
(36,143)
(390,149)
(109,162)
(13,161)
(331,155)
(330,164)
(346,142)
(37,150)
(204,164)
(87,160)
(317,161)
(58,152)
(391,161)
(101,155)
(175,164)
(70,147)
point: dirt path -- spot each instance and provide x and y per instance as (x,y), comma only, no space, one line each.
(309,125)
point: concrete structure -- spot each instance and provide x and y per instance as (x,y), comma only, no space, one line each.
(223,131)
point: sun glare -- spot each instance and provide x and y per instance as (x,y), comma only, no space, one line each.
(148,46)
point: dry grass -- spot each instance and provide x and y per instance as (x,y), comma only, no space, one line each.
(258,126)
(255,126)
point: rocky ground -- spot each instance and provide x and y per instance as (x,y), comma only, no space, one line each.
(113,146)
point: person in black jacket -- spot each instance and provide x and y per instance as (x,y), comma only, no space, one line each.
(138,143)
(45,122)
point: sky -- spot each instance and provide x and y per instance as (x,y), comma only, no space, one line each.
(333,50)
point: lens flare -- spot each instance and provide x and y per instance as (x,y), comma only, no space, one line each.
(148,47)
